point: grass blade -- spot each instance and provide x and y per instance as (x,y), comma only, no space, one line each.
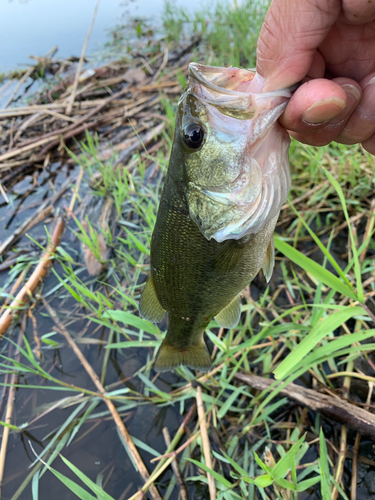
(321,330)
(312,267)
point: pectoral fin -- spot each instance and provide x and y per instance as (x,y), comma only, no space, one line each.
(269,261)
(149,306)
(230,315)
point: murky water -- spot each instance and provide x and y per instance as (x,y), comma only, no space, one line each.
(33,27)
(97,448)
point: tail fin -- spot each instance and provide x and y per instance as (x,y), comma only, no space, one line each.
(194,356)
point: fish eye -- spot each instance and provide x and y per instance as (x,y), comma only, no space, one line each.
(193,136)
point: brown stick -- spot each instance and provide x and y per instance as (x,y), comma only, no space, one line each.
(26,75)
(206,442)
(31,222)
(76,79)
(3,193)
(368,230)
(13,290)
(40,271)
(183,494)
(180,432)
(165,460)
(353,489)
(45,209)
(21,81)
(161,67)
(31,144)
(339,468)
(338,409)
(111,407)
(9,412)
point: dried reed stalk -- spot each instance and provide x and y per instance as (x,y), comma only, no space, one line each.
(43,211)
(9,411)
(65,132)
(79,69)
(183,494)
(353,489)
(111,407)
(337,409)
(344,434)
(39,273)
(206,442)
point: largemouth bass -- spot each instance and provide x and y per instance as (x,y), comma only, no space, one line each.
(227,179)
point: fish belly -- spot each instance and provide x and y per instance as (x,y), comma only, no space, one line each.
(195,278)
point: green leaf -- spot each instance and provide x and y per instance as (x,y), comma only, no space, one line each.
(64,254)
(321,330)
(357,265)
(286,462)
(72,486)
(263,481)
(153,387)
(101,494)
(261,464)
(228,403)
(214,474)
(130,319)
(303,485)
(234,464)
(325,486)
(312,267)
(35,486)
(323,248)
(332,348)
(133,343)
(286,484)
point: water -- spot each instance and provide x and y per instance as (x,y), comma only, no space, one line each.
(33,27)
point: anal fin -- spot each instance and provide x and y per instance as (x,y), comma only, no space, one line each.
(149,306)
(230,315)
(269,260)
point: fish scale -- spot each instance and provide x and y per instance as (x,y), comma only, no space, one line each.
(195,277)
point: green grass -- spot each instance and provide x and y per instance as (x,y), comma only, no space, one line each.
(309,321)
(229,30)
(308,333)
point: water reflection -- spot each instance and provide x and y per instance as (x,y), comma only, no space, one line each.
(33,27)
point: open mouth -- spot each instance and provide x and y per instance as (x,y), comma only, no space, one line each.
(229,81)
(233,91)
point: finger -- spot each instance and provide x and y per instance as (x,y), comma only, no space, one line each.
(329,131)
(312,105)
(361,124)
(318,66)
(358,11)
(369,145)
(291,32)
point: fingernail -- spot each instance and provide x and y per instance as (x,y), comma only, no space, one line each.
(323,110)
(351,89)
(370,82)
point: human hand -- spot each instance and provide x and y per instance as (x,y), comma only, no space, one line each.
(329,44)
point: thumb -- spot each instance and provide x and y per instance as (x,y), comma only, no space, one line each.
(290,35)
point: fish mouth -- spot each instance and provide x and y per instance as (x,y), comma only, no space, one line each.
(244,205)
(235,92)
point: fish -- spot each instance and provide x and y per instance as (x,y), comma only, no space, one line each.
(227,178)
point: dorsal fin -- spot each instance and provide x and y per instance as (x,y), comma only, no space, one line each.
(230,315)
(149,306)
(269,261)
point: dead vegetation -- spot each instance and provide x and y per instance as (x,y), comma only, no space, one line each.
(122,114)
